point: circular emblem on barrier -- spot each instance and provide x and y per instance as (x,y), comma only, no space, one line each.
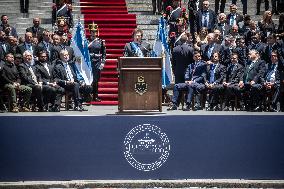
(146,147)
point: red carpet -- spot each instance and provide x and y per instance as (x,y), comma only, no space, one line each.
(116,26)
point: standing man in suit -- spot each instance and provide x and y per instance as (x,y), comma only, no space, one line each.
(245,5)
(234,18)
(194,83)
(137,48)
(252,80)
(44,70)
(206,18)
(65,77)
(182,56)
(211,47)
(216,75)
(234,74)
(36,30)
(4,26)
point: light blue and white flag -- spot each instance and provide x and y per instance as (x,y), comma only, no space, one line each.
(161,48)
(79,43)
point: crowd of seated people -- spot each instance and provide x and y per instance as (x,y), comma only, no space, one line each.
(37,70)
(224,61)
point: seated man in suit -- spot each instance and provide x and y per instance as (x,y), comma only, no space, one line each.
(211,47)
(272,82)
(29,77)
(233,76)
(27,45)
(194,83)
(251,83)
(65,77)
(137,48)
(44,70)
(214,82)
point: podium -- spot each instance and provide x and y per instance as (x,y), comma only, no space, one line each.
(140,84)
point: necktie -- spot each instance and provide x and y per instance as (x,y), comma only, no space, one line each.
(205,23)
(270,77)
(4,47)
(212,73)
(232,20)
(33,74)
(46,67)
(210,49)
(68,71)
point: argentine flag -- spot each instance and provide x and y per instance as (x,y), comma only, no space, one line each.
(161,48)
(79,43)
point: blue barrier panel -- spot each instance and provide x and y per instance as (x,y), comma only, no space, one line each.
(141,147)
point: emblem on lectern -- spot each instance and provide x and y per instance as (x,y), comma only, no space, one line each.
(140,86)
(146,147)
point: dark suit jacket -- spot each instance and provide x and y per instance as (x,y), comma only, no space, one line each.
(234,74)
(55,52)
(212,20)
(277,74)
(198,74)
(239,18)
(41,47)
(259,47)
(2,51)
(219,75)
(26,75)
(130,52)
(182,56)
(227,28)
(13,31)
(256,73)
(9,74)
(21,48)
(43,73)
(37,32)
(204,50)
(59,74)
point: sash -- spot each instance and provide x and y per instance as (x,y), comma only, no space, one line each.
(136,49)
(61,9)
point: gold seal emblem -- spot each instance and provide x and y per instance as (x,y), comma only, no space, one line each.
(140,86)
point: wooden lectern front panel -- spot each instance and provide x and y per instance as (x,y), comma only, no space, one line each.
(140,87)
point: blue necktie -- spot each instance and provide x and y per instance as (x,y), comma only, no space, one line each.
(205,24)
(212,73)
(268,78)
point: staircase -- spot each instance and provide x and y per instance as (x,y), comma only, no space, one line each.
(115,27)
(37,8)
(145,18)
